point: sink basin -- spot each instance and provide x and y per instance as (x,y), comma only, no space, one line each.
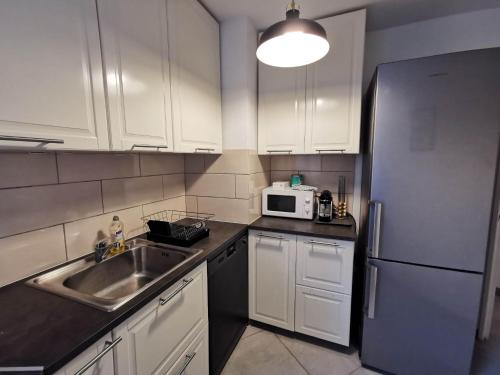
(114,281)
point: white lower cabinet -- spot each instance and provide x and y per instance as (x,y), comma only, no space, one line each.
(301,283)
(155,338)
(271,262)
(91,361)
(325,264)
(194,360)
(323,314)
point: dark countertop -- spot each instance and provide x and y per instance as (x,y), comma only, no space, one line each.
(305,228)
(42,330)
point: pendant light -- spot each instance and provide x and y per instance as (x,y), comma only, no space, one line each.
(293,42)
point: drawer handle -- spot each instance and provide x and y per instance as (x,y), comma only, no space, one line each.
(198,149)
(185,283)
(109,345)
(30,139)
(323,243)
(148,146)
(269,236)
(341,150)
(189,358)
(280,151)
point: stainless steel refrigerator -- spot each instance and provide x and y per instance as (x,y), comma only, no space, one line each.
(428,186)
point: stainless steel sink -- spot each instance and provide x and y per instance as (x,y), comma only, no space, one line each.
(114,281)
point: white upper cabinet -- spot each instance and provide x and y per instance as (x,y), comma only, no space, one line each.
(282,110)
(51,75)
(317,108)
(135,55)
(195,73)
(334,87)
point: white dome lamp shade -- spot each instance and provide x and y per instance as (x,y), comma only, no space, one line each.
(293,42)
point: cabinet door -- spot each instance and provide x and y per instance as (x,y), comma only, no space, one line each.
(325,264)
(154,338)
(103,366)
(334,87)
(194,360)
(281,110)
(135,53)
(195,67)
(271,266)
(322,314)
(52,86)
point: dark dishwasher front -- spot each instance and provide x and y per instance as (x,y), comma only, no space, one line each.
(227,302)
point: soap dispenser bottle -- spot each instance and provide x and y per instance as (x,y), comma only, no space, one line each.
(116,231)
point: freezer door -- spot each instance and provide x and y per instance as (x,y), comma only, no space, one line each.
(419,320)
(435,148)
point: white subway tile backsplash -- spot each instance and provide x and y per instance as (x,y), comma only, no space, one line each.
(82,235)
(296,163)
(232,210)
(156,164)
(338,163)
(231,161)
(194,163)
(74,166)
(258,181)
(128,192)
(192,203)
(211,185)
(243,186)
(27,169)
(178,204)
(259,163)
(329,180)
(25,209)
(28,253)
(173,186)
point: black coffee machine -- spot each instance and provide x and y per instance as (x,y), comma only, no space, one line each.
(325,206)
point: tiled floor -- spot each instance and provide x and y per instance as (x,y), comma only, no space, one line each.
(487,354)
(262,352)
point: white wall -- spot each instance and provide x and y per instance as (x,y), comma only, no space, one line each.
(466,31)
(239,83)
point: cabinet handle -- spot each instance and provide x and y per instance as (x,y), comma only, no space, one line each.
(375,218)
(148,146)
(372,296)
(204,149)
(280,151)
(269,236)
(189,358)
(109,345)
(341,150)
(30,139)
(312,242)
(185,283)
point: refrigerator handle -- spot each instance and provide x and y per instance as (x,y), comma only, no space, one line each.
(372,291)
(375,218)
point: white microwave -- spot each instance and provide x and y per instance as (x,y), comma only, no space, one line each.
(291,203)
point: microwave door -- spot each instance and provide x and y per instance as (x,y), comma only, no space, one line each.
(282,203)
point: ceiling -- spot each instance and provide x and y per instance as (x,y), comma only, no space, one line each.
(381,13)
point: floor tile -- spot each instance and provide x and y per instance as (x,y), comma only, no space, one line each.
(363,371)
(318,360)
(249,331)
(260,354)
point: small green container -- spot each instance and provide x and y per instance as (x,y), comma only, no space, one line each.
(296,179)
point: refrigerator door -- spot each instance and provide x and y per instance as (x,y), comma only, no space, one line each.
(434,154)
(423,319)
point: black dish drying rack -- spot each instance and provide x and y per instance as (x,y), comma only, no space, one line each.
(176,227)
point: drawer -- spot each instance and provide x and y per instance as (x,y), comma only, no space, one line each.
(322,314)
(194,360)
(325,264)
(164,327)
